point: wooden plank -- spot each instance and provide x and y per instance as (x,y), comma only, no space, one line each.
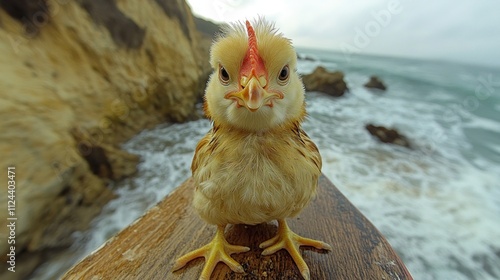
(148,248)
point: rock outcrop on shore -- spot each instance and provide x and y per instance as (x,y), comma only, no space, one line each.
(79,78)
(208,32)
(331,83)
(388,135)
(375,83)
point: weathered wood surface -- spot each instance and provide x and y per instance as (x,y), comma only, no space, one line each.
(148,248)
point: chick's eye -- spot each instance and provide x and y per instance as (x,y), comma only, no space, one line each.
(223,75)
(284,74)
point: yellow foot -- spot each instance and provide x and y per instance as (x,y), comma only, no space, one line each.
(218,250)
(287,239)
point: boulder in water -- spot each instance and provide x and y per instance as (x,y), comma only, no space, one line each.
(331,83)
(376,83)
(389,136)
(305,57)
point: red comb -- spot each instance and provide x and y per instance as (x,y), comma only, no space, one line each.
(252,63)
(253,52)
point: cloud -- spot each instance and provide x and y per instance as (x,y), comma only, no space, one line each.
(462,30)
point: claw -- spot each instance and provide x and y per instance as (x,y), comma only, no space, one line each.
(218,250)
(287,239)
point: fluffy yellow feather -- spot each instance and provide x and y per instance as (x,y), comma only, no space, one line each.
(256,164)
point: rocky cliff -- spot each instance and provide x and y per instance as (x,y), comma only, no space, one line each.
(78,78)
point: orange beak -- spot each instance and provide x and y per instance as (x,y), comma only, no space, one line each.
(253,78)
(253,95)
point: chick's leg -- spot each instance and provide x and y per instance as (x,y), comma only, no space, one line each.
(218,250)
(287,239)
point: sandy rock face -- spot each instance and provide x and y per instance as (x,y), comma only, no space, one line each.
(77,79)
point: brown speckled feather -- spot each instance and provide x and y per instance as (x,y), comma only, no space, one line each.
(252,178)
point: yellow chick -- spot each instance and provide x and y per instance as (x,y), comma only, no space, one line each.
(256,164)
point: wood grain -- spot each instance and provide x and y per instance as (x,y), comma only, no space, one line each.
(148,248)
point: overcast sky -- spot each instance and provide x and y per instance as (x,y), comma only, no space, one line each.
(461,30)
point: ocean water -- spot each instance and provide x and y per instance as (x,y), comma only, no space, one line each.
(438,204)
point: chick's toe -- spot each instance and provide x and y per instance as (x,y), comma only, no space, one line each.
(290,241)
(218,250)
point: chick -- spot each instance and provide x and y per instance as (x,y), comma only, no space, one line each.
(256,164)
